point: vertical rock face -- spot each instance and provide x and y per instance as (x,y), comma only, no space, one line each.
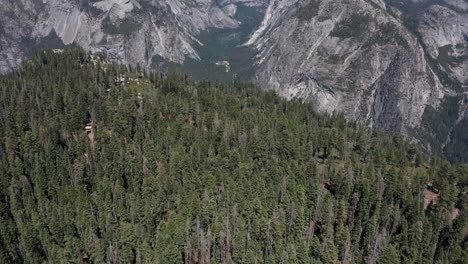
(129,31)
(16,22)
(399,66)
(347,56)
(444,32)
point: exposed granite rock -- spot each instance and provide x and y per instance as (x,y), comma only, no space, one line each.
(444,33)
(352,57)
(129,31)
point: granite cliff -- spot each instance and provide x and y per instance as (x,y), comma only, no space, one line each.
(386,64)
(128,31)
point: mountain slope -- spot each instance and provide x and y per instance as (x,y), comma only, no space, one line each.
(397,65)
(381,63)
(351,57)
(102,165)
(127,31)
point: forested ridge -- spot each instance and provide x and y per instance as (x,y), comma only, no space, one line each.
(102,164)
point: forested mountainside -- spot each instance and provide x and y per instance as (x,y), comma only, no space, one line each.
(395,65)
(99,164)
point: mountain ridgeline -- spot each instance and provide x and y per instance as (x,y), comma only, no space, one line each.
(101,164)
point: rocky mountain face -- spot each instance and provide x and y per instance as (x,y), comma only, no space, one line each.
(391,64)
(386,64)
(353,57)
(444,33)
(128,31)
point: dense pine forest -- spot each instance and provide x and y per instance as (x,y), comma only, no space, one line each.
(104,164)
